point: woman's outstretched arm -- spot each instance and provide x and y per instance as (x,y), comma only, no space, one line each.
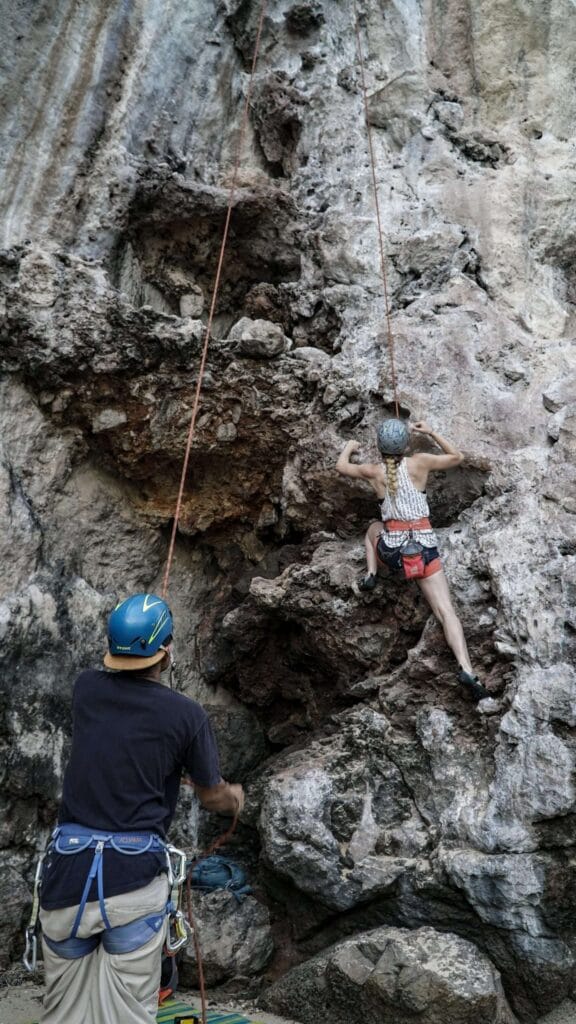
(364,471)
(452,457)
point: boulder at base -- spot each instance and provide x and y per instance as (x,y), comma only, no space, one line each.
(236,938)
(394,976)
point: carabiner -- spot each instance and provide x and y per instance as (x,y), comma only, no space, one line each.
(30,953)
(38,872)
(178,925)
(180,856)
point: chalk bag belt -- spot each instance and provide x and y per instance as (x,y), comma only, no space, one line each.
(70,839)
(405,525)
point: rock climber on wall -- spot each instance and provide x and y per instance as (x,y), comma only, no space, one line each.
(404,540)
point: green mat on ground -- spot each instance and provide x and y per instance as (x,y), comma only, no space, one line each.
(172,1009)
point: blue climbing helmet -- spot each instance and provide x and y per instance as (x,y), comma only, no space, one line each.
(392,437)
(139,630)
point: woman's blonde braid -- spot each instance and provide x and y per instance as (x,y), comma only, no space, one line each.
(391,467)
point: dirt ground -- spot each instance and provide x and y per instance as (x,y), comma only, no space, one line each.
(21,1004)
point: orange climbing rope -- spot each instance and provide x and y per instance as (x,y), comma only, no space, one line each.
(390,337)
(190,913)
(202,368)
(190,439)
(196,404)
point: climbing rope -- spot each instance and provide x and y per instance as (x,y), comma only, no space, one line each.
(220,841)
(202,367)
(189,442)
(389,335)
(198,391)
(190,913)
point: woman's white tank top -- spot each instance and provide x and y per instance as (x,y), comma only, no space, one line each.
(408,503)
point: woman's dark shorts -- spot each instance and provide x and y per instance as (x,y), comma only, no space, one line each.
(390,557)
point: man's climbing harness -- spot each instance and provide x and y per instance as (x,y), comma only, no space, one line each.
(71,839)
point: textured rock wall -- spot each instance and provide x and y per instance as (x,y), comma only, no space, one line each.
(377,797)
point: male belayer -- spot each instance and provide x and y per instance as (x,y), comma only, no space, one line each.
(404,540)
(106,879)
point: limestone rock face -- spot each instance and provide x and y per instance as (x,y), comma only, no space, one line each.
(392,976)
(377,796)
(258,338)
(235,937)
(339,820)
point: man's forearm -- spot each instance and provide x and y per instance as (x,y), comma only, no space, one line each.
(222,798)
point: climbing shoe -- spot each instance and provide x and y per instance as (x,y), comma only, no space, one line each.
(473,685)
(368,582)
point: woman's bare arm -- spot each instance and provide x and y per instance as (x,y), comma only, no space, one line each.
(452,457)
(364,471)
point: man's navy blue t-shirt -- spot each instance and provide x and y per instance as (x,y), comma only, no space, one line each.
(132,739)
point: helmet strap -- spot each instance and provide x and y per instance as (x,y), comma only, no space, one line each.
(172,677)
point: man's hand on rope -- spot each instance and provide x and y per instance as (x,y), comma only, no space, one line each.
(237,793)
(223,798)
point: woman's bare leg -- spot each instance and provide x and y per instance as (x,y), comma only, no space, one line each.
(370,541)
(436,591)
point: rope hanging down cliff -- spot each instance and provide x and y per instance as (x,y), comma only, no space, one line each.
(198,391)
(190,439)
(389,335)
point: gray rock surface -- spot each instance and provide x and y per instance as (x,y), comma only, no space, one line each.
(258,338)
(235,938)
(393,976)
(335,816)
(377,795)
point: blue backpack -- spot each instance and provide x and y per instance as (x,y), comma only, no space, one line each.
(216,872)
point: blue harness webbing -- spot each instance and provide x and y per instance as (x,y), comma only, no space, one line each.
(70,839)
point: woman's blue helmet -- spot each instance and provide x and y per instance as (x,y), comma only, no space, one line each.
(392,437)
(139,629)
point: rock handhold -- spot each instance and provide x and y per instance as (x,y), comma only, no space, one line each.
(276,112)
(258,339)
(394,976)
(559,393)
(192,303)
(304,18)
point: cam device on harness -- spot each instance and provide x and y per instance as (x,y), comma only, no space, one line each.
(70,839)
